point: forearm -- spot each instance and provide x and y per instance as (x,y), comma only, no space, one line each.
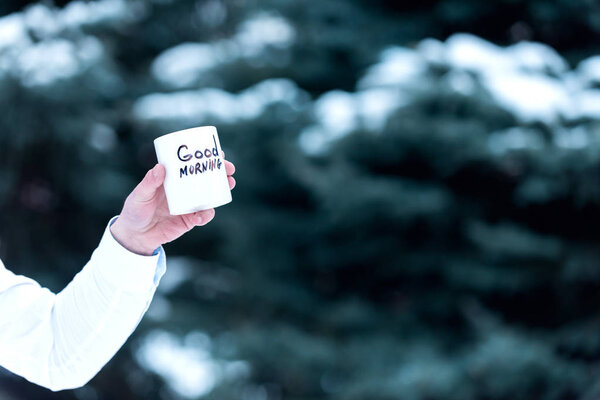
(70,336)
(90,324)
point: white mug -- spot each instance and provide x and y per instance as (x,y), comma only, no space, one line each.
(196,178)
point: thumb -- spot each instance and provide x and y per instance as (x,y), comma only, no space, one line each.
(146,189)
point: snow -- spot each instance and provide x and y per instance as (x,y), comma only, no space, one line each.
(187,365)
(190,372)
(13,31)
(589,70)
(338,113)
(60,50)
(530,97)
(528,79)
(397,66)
(263,30)
(185,64)
(205,104)
(272,91)
(89,51)
(534,57)
(41,20)
(432,50)
(470,52)
(376,105)
(460,82)
(48,61)
(78,14)
(47,22)
(314,140)
(588,104)
(179,66)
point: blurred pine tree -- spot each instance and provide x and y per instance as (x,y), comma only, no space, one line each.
(410,222)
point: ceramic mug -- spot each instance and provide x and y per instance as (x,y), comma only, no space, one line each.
(196,178)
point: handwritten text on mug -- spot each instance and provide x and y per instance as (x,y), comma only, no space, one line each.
(201,166)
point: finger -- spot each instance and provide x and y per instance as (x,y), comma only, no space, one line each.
(189,221)
(146,189)
(231,181)
(203,217)
(229,167)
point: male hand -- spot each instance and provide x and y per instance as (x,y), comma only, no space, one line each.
(145,223)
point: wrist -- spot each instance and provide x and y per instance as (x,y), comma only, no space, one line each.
(130,239)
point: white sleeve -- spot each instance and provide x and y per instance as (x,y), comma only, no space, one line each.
(61,341)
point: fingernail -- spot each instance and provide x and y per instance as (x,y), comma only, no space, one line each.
(154,173)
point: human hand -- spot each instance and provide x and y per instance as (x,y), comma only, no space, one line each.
(145,223)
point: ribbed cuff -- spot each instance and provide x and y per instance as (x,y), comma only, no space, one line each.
(126,270)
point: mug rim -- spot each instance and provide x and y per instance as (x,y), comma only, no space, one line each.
(187,130)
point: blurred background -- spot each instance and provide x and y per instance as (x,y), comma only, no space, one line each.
(417,213)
